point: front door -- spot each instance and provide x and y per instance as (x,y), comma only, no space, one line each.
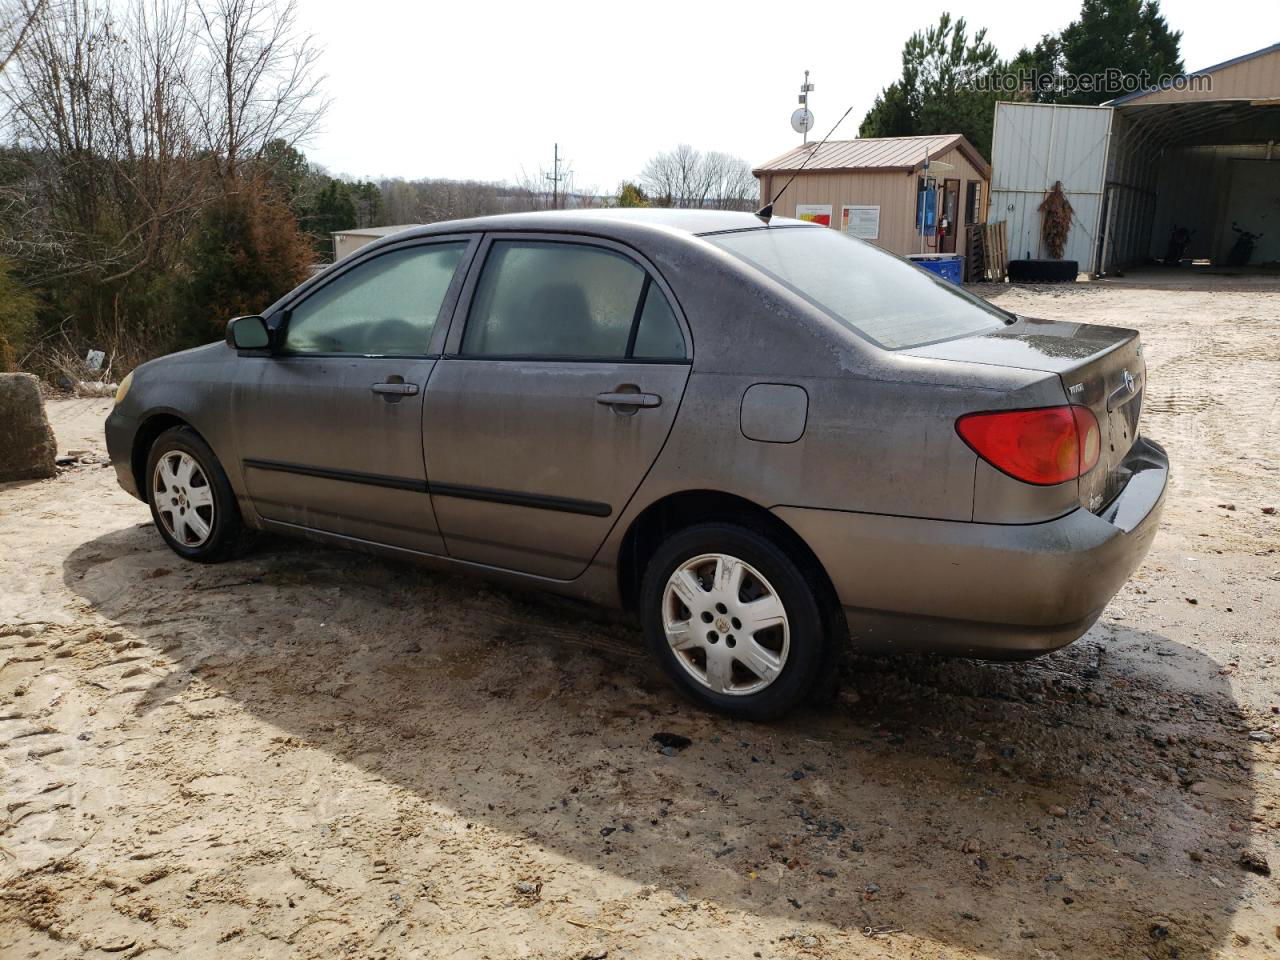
(330,426)
(552,403)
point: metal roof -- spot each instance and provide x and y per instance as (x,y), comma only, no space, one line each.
(874,153)
(1138,94)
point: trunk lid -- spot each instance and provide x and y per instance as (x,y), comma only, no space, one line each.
(1100,367)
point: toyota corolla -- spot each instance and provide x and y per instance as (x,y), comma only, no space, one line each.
(768,440)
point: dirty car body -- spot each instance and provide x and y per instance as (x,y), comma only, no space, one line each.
(582,388)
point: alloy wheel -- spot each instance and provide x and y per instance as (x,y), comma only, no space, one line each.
(183,498)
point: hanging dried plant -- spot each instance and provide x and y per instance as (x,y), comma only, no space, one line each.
(1055,220)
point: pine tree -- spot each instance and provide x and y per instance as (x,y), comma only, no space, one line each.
(941,89)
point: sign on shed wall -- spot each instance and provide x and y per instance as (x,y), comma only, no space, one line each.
(861,220)
(814,213)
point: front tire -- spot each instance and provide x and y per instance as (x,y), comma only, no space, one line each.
(734,621)
(191,500)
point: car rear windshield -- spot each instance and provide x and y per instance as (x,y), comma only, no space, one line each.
(889,301)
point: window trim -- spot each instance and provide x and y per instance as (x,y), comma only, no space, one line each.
(475,270)
(279,321)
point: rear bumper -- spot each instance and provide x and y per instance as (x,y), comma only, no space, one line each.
(120,431)
(987,590)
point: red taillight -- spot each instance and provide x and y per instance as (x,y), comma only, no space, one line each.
(1045,446)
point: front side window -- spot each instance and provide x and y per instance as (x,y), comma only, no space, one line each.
(885,299)
(568,300)
(387,306)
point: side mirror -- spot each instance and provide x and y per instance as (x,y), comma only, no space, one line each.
(248,333)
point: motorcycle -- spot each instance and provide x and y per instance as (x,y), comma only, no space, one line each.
(1179,239)
(1242,250)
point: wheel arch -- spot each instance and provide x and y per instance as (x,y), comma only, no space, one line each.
(145,437)
(676,511)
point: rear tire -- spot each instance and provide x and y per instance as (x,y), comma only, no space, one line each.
(191,500)
(733,621)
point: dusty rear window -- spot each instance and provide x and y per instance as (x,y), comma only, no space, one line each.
(889,301)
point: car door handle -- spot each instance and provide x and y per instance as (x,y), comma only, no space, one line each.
(629,399)
(396,389)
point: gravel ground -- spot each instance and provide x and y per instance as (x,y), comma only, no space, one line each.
(313,753)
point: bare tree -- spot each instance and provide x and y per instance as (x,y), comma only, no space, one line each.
(16,20)
(100,108)
(732,184)
(123,120)
(685,177)
(258,78)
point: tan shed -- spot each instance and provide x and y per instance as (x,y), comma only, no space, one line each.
(869,188)
(349,241)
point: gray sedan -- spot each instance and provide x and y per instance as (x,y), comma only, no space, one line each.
(768,440)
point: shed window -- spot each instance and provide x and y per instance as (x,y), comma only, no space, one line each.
(973,202)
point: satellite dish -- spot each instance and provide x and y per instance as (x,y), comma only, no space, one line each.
(802,120)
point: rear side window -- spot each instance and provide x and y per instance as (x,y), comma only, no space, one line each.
(567,300)
(887,300)
(658,336)
(387,306)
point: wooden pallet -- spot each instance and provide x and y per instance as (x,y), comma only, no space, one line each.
(975,267)
(995,250)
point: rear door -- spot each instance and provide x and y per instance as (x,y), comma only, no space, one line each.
(330,426)
(552,401)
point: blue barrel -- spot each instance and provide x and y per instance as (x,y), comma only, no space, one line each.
(949,266)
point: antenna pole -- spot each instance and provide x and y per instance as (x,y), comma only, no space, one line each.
(765,212)
(804,102)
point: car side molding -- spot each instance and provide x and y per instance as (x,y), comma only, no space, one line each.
(537,501)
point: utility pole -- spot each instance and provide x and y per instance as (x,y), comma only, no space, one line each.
(555,177)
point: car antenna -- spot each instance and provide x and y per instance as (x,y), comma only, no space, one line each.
(765,213)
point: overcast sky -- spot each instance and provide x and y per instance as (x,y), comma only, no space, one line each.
(481,90)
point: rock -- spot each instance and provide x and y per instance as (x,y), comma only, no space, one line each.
(1255,862)
(1261,736)
(1199,788)
(971,846)
(1057,811)
(872,887)
(527,889)
(671,741)
(796,774)
(1269,511)
(27,446)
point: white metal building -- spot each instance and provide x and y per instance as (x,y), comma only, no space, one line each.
(1200,153)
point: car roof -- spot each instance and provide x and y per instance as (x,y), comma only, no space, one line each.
(605,221)
(625,225)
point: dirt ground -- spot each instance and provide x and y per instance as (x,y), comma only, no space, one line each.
(314,753)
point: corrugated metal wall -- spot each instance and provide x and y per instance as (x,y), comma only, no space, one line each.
(1035,145)
(1131,195)
(1249,77)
